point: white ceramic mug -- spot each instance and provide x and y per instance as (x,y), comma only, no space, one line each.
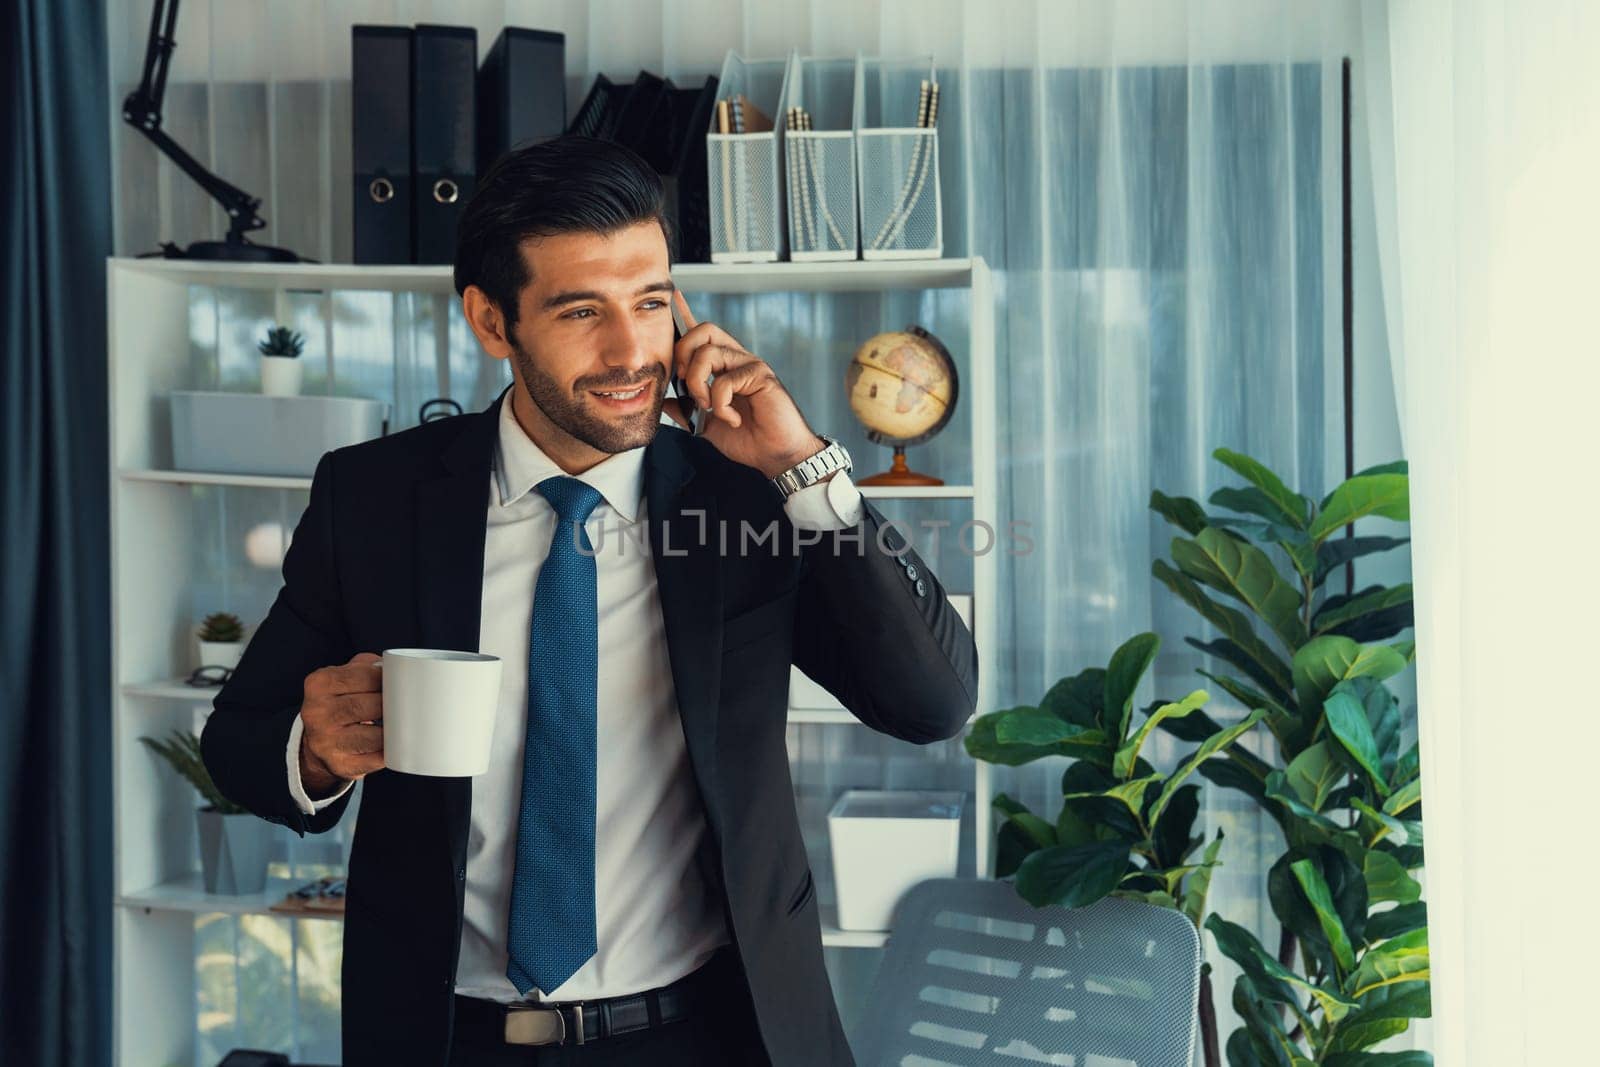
(438,711)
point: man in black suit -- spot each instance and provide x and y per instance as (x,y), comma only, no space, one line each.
(628,882)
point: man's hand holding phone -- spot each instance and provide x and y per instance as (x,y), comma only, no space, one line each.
(743,409)
(342,731)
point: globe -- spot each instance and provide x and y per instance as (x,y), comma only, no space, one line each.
(902,387)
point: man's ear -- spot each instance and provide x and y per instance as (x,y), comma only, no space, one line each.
(484,316)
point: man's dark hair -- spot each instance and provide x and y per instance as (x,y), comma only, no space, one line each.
(565,185)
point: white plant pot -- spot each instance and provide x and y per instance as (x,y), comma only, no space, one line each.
(221,653)
(280,375)
(884,842)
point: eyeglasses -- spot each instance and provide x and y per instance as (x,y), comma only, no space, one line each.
(204,677)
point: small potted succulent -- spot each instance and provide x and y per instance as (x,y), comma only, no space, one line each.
(234,844)
(280,361)
(221,640)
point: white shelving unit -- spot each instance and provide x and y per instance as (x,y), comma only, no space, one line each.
(158,895)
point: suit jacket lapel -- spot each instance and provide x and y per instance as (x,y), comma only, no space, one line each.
(682,516)
(451,520)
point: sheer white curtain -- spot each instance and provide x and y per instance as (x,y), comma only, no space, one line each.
(1155,181)
(1486,180)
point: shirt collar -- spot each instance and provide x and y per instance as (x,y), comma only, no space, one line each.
(520,465)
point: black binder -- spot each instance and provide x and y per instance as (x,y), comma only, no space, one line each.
(597,115)
(444,78)
(380,118)
(687,188)
(522,92)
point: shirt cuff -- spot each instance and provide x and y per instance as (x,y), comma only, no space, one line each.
(297,789)
(825,505)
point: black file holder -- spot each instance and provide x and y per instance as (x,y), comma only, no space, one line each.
(444,135)
(522,92)
(380,70)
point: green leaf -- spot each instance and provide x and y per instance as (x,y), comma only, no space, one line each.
(1246,696)
(1321,898)
(1277,788)
(1079,699)
(983,743)
(1039,831)
(1382,1013)
(1184,513)
(1244,572)
(1198,887)
(1230,774)
(1080,785)
(1122,763)
(1160,898)
(1324,662)
(1012,846)
(1233,623)
(1400,831)
(1072,876)
(1230,653)
(1170,838)
(1033,726)
(1128,664)
(1347,719)
(1387,880)
(1337,611)
(1270,978)
(1385,495)
(1404,798)
(1407,768)
(1212,744)
(1335,553)
(1130,794)
(1408,1058)
(1398,960)
(1290,506)
(1314,775)
(1382,925)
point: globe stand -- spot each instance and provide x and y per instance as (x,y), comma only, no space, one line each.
(899,474)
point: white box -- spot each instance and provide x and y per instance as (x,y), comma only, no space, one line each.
(806,695)
(886,841)
(248,433)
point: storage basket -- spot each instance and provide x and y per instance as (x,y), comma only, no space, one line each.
(897,162)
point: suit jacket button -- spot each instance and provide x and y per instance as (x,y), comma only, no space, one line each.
(461,874)
(922,588)
(911,571)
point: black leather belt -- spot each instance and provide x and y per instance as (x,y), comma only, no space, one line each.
(580,1022)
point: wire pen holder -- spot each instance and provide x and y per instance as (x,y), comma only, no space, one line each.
(744,162)
(820,158)
(897,158)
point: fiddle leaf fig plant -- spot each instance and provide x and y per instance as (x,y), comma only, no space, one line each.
(1351,966)
(1350,969)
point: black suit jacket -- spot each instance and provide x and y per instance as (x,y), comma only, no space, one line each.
(389,553)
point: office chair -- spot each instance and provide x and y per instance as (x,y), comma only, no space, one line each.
(975,975)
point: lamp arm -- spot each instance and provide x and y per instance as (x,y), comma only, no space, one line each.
(141,109)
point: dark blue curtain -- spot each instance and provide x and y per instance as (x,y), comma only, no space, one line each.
(55,684)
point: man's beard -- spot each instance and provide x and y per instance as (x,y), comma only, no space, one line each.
(568,412)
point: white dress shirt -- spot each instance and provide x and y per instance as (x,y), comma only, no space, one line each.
(655,919)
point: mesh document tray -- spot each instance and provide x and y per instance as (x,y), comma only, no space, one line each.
(973,974)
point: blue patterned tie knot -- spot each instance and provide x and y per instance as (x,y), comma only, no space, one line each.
(551,925)
(573,500)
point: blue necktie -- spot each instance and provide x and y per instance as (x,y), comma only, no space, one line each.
(551,922)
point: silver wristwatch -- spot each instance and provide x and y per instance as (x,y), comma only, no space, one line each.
(812,470)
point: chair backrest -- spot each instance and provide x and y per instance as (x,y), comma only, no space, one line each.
(974,974)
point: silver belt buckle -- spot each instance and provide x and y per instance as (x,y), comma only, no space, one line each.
(538,1025)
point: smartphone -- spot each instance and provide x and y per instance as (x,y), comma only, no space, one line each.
(678,387)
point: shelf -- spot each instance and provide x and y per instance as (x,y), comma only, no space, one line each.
(186,894)
(916,492)
(730,278)
(172,689)
(243,481)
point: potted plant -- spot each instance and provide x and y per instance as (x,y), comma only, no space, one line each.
(234,844)
(280,361)
(221,640)
(1351,965)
